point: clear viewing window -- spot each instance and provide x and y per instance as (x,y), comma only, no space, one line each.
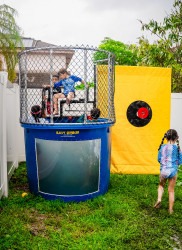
(68,167)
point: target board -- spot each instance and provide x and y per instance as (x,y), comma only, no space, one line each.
(142,106)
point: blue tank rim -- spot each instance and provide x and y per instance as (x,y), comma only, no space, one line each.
(66,126)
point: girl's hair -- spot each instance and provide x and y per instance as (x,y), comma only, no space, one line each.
(36,112)
(95,113)
(170,135)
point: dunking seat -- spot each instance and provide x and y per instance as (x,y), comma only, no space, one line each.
(80,100)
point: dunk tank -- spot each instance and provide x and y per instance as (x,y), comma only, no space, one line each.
(67,154)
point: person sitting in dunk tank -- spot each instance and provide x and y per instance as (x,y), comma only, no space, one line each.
(47,98)
(93,117)
(67,81)
(36,115)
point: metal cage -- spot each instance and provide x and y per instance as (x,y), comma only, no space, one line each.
(94,66)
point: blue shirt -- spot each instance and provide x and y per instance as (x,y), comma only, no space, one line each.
(169,159)
(68,84)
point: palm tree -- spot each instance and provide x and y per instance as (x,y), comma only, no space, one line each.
(10,39)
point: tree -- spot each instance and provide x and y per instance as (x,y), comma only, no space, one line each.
(124,55)
(10,39)
(166,51)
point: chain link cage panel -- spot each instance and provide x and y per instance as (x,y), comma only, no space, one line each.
(95,67)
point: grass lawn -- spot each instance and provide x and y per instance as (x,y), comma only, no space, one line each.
(123,218)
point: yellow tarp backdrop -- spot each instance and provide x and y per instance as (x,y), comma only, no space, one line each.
(134,149)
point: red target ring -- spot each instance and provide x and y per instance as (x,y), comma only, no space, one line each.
(139,113)
(143,113)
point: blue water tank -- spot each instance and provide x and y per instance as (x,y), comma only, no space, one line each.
(68,163)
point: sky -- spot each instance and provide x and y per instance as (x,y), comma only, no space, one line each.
(87,22)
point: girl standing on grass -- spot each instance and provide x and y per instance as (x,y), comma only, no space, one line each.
(169,157)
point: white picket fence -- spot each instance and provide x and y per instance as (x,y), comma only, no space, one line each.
(3,138)
(176,114)
(12,135)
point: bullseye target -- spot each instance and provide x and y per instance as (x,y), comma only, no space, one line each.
(142,104)
(139,113)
